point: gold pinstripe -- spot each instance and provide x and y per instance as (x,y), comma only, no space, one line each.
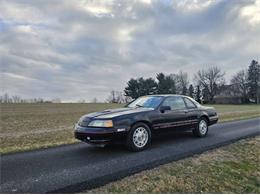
(175,124)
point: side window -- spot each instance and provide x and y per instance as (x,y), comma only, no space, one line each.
(189,103)
(175,103)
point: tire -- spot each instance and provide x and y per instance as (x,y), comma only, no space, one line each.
(202,128)
(139,137)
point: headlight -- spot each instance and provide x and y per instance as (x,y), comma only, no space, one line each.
(101,123)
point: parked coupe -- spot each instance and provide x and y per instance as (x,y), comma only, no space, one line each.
(137,122)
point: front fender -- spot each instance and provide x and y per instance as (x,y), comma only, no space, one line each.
(125,123)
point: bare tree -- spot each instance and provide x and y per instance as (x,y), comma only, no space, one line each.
(94,100)
(239,84)
(182,82)
(56,100)
(81,101)
(6,98)
(112,97)
(127,99)
(16,99)
(210,79)
(116,97)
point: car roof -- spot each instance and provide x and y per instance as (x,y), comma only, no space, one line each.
(167,95)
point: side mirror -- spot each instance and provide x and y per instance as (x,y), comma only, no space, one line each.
(164,108)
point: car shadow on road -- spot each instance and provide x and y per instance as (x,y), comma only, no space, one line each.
(157,141)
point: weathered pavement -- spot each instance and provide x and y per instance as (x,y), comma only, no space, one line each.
(73,168)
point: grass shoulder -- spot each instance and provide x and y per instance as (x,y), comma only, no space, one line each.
(230,169)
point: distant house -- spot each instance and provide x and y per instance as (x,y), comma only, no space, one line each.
(226,95)
(221,99)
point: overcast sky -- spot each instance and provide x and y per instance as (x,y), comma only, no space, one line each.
(79,49)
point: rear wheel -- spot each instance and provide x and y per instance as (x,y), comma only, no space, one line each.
(202,128)
(139,137)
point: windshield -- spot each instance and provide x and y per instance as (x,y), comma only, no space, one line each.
(147,102)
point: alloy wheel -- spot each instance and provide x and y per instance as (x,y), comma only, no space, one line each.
(140,137)
(203,127)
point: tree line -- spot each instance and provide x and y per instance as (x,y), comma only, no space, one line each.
(6,98)
(207,84)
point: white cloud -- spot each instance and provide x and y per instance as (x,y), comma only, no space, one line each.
(252,12)
(18,77)
(194,5)
(97,8)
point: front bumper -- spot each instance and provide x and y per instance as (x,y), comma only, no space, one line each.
(98,136)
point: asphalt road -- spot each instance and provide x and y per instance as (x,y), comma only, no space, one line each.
(73,168)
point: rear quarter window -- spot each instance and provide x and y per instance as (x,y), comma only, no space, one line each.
(189,103)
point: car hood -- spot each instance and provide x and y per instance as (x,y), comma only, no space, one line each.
(111,113)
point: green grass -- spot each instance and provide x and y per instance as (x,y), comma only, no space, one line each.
(224,108)
(31,126)
(230,169)
(236,112)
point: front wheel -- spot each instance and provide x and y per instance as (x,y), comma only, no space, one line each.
(202,128)
(139,137)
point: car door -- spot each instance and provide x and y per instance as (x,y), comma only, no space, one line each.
(192,112)
(176,117)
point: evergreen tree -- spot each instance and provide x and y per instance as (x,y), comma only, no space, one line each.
(198,94)
(140,87)
(191,91)
(132,89)
(206,96)
(166,84)
(184,90)
(254,80)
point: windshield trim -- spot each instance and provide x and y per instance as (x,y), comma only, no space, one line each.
(155,108)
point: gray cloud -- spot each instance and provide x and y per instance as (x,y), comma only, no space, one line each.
(84,49)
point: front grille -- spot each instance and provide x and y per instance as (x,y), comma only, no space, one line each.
(92,137)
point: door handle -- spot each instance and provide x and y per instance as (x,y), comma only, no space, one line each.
(186,111)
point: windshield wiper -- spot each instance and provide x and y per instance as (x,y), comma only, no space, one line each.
(138,105)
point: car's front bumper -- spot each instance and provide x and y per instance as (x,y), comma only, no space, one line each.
(98,136)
